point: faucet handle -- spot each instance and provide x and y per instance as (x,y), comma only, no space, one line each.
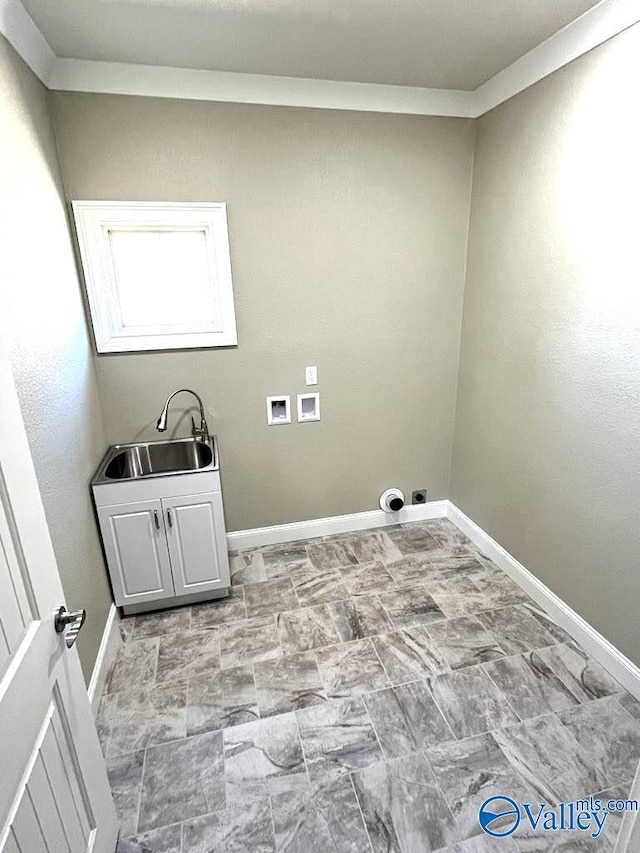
(201,432)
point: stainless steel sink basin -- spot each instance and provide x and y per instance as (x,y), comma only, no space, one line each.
(157,459)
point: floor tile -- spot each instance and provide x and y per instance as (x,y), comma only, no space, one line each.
(530,686)
(181,780)
(349,669)
(125,627)
(609,736)
(107,709)
(220,699)
(331,555)
(412,540)
(366,578)
(458,595)
(500,588)
(249,641)
(135,665)
(407,607)
(288,683)
(314,586)
(404,810)
(247,567)
(280,560)
(190,653)
(359,617)
(530,841)
(212,613)
(337,737)
(245,828)
(339,537)
(447,652)
(465,642)
(406,719)
(612,825)
(269,597)
(262,758)
(470,771)
(166,839)
(125,779)
(455,565)
(373,546)
(146,716)
(163,622)
(582,675)
(307,628)
(408,654)
(558,633)
(447,534)
(547,756)
(516,629)
(486,844)
(470,702)
(324,818)
(412,571)
(630,704)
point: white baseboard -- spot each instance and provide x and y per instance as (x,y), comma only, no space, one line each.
(106,654)
(611,658)
(279,533)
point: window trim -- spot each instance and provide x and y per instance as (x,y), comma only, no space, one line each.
(94,219)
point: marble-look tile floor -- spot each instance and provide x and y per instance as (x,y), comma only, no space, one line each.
(362,692)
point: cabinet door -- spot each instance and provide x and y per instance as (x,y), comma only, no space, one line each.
(197,542)
(136,547)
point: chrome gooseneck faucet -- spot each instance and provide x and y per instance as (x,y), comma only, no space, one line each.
(201,432)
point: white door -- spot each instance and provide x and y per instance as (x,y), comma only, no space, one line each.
(136,547)
(54,793)
(197,542)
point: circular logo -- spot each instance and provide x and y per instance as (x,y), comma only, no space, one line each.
(499,816)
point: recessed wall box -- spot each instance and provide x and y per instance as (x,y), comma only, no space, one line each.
(308,407)
(278,410)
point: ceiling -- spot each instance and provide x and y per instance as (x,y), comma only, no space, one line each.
(449,44)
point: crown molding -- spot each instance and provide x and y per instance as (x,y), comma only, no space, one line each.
(594,27)
(17,26)
(164,82)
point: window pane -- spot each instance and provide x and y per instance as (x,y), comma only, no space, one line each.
(163,278)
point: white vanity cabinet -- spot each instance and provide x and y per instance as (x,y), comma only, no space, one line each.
(135,545)
(195,533)
(164,539)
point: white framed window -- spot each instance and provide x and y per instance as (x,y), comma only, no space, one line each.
(158,274)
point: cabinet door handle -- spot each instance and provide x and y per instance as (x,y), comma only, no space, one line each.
(156,519)
(169,518)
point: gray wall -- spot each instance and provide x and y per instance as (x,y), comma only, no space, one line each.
(547,440)
(43,326)
(348,238)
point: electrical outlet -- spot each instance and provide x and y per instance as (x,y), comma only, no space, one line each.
(419,496)
(311,375)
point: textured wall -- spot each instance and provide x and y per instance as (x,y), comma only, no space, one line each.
(43,324)
(547,446)
(348,236)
